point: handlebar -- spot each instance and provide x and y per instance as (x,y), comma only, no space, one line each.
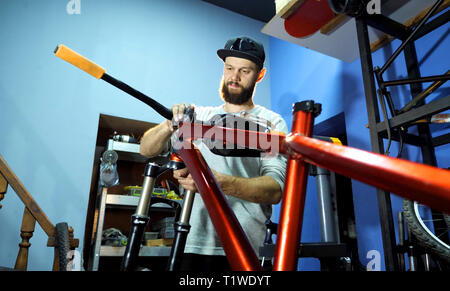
(98,72)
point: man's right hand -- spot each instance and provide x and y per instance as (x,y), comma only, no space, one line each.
(178,114)
(154,140)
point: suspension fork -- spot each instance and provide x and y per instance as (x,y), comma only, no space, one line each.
(140,219)
(182,226)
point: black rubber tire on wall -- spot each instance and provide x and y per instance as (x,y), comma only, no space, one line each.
(63,245)
(422,233)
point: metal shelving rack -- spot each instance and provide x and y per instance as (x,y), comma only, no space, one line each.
(113,200)
(130,152)
(378,129)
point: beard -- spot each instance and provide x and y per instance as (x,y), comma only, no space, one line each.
(236,98)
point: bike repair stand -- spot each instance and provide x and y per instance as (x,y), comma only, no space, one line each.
(140,218)
(337,254)
(327,216)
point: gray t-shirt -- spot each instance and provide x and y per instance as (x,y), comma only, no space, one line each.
(202,238)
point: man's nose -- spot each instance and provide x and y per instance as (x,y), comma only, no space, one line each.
(235,76)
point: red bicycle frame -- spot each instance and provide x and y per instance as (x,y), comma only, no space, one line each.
(414,181)
(425,184)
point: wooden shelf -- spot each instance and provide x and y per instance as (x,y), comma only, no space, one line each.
(110,251)
(131,201)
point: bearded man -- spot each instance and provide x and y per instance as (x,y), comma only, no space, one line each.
(251,184)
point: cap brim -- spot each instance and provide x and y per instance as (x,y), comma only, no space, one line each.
(223,53)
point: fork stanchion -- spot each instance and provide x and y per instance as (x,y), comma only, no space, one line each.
(294,192)
(139,219)
(182,228)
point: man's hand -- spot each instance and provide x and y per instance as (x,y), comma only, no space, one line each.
(263,189)
(185,179)
(178,111)
(154,140)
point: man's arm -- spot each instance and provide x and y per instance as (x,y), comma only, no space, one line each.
(263,189)
(154,140)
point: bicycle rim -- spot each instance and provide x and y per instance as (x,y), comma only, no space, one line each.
(422,229)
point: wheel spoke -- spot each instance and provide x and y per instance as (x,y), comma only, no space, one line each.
(428,228)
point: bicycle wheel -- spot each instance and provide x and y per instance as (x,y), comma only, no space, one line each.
(416,217)
(63,246)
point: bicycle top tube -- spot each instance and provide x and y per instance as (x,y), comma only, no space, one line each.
(426,184)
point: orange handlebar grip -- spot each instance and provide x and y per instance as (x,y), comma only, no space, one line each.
(79,61)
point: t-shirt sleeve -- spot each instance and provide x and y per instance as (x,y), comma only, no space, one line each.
(275,165)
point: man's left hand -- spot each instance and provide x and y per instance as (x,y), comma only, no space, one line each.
(185,179)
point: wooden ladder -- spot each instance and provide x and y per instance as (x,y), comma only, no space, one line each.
(32,213)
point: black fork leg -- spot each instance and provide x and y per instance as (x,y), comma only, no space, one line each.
(181,232)
(139,219)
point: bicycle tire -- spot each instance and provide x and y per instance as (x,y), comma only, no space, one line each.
(425,237)
(63,245)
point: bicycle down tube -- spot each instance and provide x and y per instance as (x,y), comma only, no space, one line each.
(238,250)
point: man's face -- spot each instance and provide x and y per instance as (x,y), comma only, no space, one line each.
(238,81)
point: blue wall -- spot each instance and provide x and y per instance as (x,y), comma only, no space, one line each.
(299,74)
(50,109)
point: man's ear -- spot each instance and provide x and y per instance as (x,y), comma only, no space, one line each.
(261,74)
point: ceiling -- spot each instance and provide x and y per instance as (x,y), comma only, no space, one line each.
(264,10)
(261,10)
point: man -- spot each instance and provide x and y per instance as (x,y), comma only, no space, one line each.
(251,184)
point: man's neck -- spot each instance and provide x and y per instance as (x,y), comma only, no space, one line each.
(231,108)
